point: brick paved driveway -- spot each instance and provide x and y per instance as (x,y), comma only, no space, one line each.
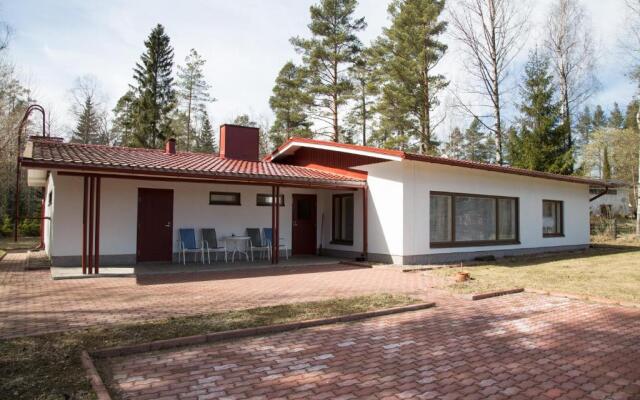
(32,303)
(521,346)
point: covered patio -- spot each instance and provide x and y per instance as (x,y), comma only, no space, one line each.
(112,208)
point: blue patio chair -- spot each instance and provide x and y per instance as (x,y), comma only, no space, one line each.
(210,243)
(268,237)
(256,242)
(188,244)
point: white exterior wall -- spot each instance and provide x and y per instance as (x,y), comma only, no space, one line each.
(386,209)
(119,207)
(48,214)
(421,178)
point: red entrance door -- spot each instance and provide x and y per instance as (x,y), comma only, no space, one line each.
(303,239)
(155,225)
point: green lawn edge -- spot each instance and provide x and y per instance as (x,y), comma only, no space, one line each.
(48,366)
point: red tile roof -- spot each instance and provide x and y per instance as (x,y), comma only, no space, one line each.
(442,160)
(53,154)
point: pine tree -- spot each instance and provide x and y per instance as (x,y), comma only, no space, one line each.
(475,143)
(410,86)
(154,91)
(327,55)
(204,142)
(542,137)
(289,102)
(88,127)
(616,118)
(193,89)
(360,117)
(630,121)
(454,148)
(584,125)
(606,165)
(124,119)
(599,118)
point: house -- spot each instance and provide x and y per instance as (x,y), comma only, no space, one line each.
(113,205)
(610,202)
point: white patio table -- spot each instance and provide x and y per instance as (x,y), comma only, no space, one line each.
(238,244)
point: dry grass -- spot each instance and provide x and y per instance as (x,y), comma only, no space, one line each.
(23,243)
(606,271)
(48,366)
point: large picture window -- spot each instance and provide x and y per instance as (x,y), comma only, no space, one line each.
(552,218)
(342,219)
(458,220)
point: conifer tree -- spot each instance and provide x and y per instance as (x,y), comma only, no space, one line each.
(630,121)
(542,137)
(154,91)
(87,129)
(475,143)
(362,75)
(289,102)
(584,125)
(616,119)
(410,86)
(599,118)
(454,148)
(606,165)
(193,90)
(124,119)
(204,142)
(327,56)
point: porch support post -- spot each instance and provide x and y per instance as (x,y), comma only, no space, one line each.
(84,224)
(273,225)
(91,200)
(276,235)
(96,262)
(365,217)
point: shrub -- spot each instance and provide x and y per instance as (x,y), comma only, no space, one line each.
(6,228)
(29,227)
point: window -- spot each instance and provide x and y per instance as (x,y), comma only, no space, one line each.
(267,200)
(552,218)
(50,198)
(458,220)
(224,199)
(343,219)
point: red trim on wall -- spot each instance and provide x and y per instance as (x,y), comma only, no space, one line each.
(85,189)
(365,222)
(96,262)
(91,200)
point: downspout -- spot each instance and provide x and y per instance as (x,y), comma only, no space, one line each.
(605,191)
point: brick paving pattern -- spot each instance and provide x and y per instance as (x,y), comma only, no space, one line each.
(523,346)
(32,303)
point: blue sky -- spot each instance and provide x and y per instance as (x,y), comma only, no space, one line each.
(245,43)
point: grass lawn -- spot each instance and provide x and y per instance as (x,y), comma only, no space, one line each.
(611,272)
(49,367)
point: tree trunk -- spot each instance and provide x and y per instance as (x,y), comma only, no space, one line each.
(364,114)
(638,182)
(189,121)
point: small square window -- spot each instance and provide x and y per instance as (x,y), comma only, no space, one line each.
(224,198)
(266,200)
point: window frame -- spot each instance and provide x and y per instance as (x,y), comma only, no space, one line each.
(333,218)
(261,200)
(559,232)
(476,243)
(235,202)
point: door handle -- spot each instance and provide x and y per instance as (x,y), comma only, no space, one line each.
(168,225)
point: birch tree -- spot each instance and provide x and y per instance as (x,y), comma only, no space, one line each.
(492,33)
(633,7)
(570,47)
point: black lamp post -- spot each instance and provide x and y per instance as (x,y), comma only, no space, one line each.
(21,127)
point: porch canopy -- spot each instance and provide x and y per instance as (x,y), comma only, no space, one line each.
(93,162)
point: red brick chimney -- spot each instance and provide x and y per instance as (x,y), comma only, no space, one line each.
(170,146)
(239,142)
